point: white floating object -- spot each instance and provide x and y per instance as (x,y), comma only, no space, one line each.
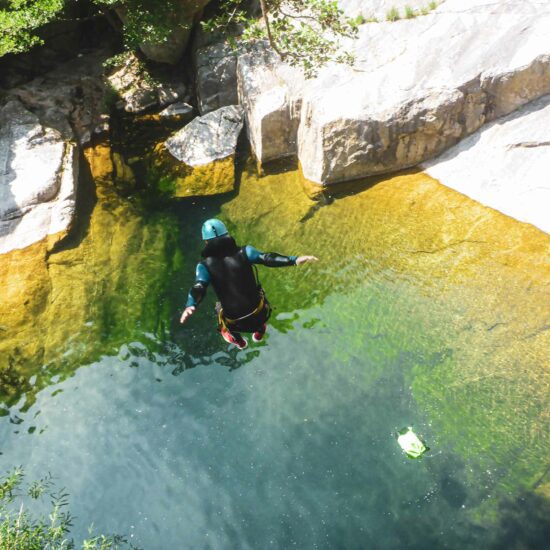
(411,443)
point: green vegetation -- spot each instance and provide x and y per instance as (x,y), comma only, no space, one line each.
(393,14)
(410,13)
(304,32)
(432,5)
(19,20)
(20,529)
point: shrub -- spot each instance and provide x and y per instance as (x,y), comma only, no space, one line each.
(409,13)
(393,14)
(21,530)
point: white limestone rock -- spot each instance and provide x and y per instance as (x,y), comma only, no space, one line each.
(418,87)
(504,165)
(38,172)
(208,138)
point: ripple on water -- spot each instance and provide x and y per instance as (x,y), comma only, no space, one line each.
(426,309)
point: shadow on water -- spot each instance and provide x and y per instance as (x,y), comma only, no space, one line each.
(524,522)
(86,199)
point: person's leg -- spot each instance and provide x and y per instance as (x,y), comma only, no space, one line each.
(258,335)
(230,336)
(234,338)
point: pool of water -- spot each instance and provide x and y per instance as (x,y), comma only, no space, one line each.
(425,310)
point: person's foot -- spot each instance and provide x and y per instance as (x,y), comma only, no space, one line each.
(259,334)
(240,342)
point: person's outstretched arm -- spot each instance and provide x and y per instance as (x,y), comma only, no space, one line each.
(197,292)
(273,259)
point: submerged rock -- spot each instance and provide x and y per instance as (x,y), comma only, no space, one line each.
(38,173)
(64,309)
(418,87)
(504,165)
(199,159)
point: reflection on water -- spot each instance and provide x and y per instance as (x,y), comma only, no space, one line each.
(426,309)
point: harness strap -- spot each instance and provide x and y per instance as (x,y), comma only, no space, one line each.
(257,310)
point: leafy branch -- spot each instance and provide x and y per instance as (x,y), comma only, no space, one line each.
(304,33)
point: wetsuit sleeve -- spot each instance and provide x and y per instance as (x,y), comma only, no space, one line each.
(198,290)
(269,259)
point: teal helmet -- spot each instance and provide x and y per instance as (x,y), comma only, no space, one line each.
(213,228)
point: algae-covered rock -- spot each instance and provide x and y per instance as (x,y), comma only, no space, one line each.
(199,159)
(63,309)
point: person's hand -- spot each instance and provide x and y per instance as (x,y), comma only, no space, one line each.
(187,312)
(304,259)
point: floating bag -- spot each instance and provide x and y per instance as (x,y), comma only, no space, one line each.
(411,443)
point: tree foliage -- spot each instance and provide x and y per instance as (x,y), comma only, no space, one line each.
(304,33)
(19,20)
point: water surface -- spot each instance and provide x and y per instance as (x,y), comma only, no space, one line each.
(426,309)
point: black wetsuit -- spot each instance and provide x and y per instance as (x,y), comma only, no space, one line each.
(228,268)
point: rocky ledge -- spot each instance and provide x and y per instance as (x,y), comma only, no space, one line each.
(504,165)
(418,87)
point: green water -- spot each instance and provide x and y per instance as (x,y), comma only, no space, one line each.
(425,310)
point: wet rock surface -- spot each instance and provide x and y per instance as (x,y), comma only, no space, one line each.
(38,174)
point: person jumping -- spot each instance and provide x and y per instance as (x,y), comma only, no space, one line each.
(243,305)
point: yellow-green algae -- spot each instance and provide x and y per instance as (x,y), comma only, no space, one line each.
(61,309)
(481,294)
(458,287)
(176,179)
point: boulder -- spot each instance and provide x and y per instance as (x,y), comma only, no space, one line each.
(270,93)
(71,98)
(38,172)
(216,77)
(199,158)
(504,165)
(138,90)
(417,88)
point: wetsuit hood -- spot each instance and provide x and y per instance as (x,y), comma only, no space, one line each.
(220,247)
